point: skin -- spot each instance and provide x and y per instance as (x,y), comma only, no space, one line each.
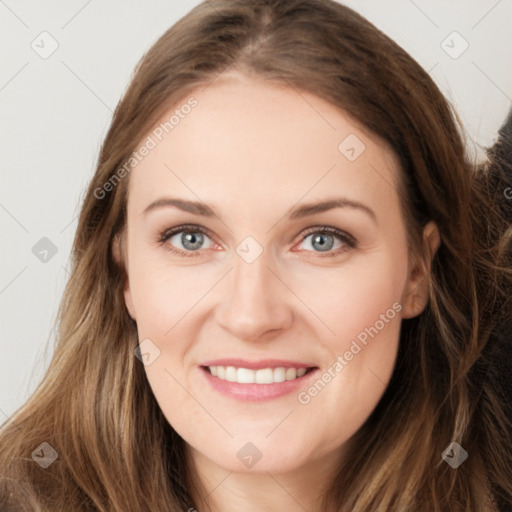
(254,150)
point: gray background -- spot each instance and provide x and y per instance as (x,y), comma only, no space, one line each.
(55,112)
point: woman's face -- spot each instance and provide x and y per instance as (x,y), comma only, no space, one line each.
(256,294)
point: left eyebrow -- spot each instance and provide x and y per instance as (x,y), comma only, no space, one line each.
(341,202)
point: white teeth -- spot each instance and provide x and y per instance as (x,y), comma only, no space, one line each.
(231,374)
(279,375)
(263,376)
(244,376)
(291,373)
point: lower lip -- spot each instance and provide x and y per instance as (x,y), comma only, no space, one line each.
(256,392)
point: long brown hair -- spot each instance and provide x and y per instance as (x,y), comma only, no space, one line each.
(94,406)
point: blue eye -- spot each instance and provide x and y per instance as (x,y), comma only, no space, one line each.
(323,239)
(191,238)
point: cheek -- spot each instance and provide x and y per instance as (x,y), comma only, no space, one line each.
(162,297)
(350,299)
(167,301)
(161,293)
(361,307)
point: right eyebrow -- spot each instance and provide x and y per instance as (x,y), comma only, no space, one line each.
(195,207)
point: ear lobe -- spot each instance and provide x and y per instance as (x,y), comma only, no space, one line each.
(128,301)
(432,238)
(116,250)
(417,288)
(116,254)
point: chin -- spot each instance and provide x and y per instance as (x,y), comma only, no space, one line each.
(257,456)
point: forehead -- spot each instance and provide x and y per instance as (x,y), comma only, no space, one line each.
(263,144)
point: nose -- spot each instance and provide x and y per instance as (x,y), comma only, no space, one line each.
(256,302)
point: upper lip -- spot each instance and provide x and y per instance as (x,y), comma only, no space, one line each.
(258,365)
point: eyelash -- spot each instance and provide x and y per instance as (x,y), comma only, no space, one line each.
(347,239)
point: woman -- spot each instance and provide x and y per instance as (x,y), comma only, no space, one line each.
(287,273)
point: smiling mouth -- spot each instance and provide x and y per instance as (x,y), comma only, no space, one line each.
(269,375)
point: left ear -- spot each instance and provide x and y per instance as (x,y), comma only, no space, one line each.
(119,255)
(416,294)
